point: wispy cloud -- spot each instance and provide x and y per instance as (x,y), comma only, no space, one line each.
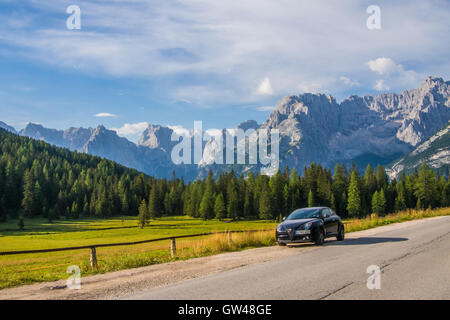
(227,48)
(105,115)
(266,108)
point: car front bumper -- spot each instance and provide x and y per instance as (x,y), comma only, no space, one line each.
(298,236)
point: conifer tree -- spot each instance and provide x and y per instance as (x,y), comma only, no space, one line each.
(354,199)
(219,207)
(143,217)
(207,205)
(265,204)
(311,202)
(28,194)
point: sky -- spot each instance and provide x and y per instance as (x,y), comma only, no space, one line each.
(171,62)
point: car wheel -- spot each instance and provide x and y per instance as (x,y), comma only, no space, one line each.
(282,244)
(341,234)
(320,238)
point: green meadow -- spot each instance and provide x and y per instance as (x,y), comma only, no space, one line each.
(40,234)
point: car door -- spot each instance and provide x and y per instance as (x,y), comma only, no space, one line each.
(334,221)
(327,221)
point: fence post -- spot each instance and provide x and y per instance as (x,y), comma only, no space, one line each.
(173,247)
(93,258)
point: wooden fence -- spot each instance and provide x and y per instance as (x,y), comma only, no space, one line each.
(93,251)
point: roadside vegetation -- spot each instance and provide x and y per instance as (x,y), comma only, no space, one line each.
(30,268)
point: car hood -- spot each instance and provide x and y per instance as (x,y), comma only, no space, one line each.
(295,223)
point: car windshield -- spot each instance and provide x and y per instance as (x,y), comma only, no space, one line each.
(304,214)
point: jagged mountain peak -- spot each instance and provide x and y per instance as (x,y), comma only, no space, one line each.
(157,136)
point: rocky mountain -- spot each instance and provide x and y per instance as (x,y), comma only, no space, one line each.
(371,129)
(72,138)
(107,144)
(7,127)
(435,151)
(375,129)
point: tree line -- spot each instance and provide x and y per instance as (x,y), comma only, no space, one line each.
(37,179)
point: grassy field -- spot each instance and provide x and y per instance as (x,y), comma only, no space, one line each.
(39,234)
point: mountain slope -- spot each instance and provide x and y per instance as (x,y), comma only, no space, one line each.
(435,152)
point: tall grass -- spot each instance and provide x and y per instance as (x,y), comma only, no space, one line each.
(186,249)
(374,220)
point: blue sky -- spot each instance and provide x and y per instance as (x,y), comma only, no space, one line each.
(172,62)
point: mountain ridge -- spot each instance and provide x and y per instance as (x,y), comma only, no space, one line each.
(375,129)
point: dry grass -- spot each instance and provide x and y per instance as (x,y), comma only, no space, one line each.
(226,242)
(374,220)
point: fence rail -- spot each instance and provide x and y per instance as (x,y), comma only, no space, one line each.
(93,251)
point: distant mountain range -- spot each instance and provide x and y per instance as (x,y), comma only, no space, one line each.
(375,129)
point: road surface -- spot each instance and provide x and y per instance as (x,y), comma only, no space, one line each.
(414,260)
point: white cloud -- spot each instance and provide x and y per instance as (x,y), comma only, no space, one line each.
(383,66)
(129,129)
(105,115)
(380,85)
(393,73)
(180,130)
(266,108)
(265,87)
(132,131)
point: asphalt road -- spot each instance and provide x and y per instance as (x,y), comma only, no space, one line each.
(414,261)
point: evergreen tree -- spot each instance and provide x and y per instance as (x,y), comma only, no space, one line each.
(311,202)
(207,205)
(219,207)
(265,208)
(28,194)
(354,199)
(154,205)
(425,187)
(143,217)
(378,202)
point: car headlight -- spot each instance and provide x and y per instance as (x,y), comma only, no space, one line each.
(280,228)
(307,225)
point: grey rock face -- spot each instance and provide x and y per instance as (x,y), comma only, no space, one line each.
(157,137)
